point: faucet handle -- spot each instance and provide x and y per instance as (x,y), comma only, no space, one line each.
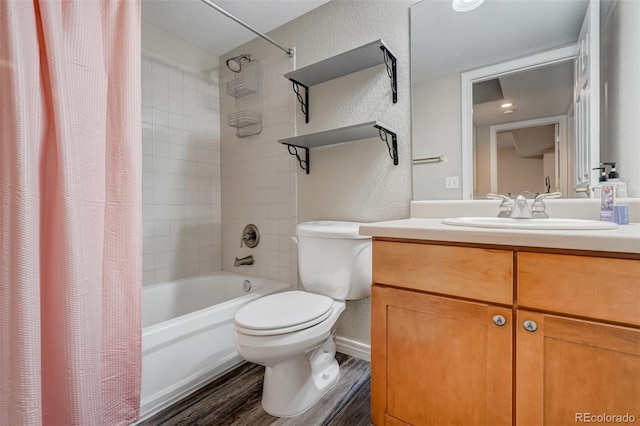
(538,207)
(506,206)
(250,236)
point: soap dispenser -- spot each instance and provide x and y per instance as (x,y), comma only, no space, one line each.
(602,181)
(620,206)
(614,179)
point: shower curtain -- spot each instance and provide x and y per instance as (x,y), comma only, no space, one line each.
(70,212)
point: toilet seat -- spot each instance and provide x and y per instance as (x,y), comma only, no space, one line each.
(282,313)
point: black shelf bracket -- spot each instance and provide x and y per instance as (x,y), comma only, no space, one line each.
(304,103)
(390,62)
(393,148)
(304,164)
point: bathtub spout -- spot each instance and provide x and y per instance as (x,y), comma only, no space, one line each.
(248,260)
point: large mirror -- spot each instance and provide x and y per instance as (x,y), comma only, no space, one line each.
(497,97)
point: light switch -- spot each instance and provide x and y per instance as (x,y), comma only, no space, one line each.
(452,182)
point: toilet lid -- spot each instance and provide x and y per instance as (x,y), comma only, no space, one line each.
(283,313)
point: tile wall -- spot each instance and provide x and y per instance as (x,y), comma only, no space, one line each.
(259,179)
(181,171)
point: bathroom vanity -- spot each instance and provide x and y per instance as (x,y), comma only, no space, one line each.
(500,327)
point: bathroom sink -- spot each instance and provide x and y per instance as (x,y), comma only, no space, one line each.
(559,224)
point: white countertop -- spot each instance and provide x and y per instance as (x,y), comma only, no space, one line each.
(625,239)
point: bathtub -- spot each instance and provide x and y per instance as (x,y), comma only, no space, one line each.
(187,336)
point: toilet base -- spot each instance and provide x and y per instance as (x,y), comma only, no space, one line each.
(293,386)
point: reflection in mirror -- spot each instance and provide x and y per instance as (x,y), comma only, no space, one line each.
(520,131)
(503,32)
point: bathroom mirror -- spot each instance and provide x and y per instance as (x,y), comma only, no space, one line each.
(531,147)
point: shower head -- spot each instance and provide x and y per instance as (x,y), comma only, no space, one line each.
(235,64)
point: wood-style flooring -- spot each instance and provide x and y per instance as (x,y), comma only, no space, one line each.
(235,399)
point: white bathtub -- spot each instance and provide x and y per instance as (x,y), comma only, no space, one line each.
(187,336)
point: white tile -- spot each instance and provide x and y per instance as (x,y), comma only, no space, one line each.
(176,181)
(147,65)
(147,147)
(162,196)
(163,259)
(160,148)
(148,278)
(161,212)
(147,163)
(160,133)
(162,228)
(176,136)
(176,90)
(148,263)
(160,70)
(161,244)
(176,120)
(160,165)
(161,100)
(147,198)
(160,117)
(162,275)
(148,245)
(161,181)
(147,114)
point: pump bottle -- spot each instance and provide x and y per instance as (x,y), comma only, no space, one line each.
(620,206)
(602,181)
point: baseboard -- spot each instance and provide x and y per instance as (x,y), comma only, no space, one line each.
(355,349)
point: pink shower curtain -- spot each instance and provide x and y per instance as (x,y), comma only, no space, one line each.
(70,212)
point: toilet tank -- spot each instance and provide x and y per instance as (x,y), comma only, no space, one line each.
(334,259)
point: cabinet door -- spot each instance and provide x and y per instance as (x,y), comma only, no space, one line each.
(439,361)
(570,371)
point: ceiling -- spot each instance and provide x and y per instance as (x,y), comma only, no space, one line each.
(206,28)
(540,92)
(451,42)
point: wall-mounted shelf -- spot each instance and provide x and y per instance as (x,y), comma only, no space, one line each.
(360,58)
(355,132)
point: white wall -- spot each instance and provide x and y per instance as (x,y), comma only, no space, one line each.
(437,130)
(620,71)
(352,181)
(482,173)
(517,174)
(178,51)
(181,166)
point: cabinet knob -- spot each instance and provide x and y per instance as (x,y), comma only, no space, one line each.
(530,326)
(499,320)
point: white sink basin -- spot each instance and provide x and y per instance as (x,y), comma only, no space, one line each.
(548,224)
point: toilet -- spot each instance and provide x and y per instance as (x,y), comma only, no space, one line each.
(291,333)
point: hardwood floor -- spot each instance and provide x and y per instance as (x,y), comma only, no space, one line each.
(235,399)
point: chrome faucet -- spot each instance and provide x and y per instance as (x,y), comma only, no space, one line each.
(250,236)
(519,209)
(247,260)
(538,207)
(506,206)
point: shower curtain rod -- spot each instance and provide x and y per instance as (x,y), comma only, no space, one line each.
(288,50)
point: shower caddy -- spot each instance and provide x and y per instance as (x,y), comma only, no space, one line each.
(246,89)
(360,58)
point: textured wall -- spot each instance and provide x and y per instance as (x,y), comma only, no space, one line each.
(352,181)
(355,181)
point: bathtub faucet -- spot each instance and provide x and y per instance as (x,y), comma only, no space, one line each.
(248,260)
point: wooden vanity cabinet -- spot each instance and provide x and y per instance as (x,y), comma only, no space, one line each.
(450,347)
(583,358)
(438,359)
